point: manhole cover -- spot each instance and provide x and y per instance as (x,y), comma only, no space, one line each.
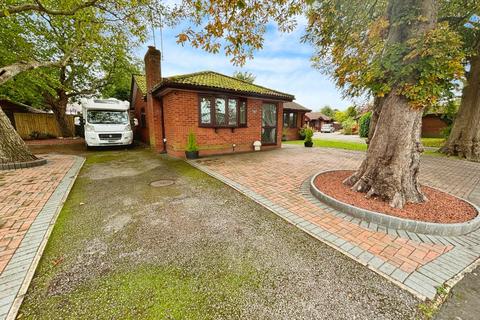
(162,183)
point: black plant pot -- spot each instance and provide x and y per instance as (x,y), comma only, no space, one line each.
(191,154)
(308,144)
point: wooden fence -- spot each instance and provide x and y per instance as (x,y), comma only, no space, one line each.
(43,123)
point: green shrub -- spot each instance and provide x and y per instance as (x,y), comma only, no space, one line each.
(308,134)
(192,142)
(35,135)
(301,132)
(445,132)
(349,126)
(364,123)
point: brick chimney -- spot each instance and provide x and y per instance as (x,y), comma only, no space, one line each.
(153,76)
(153,71)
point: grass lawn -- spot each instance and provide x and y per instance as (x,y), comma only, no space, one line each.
(196,249)
(347,145)
(332,144)
(433,142)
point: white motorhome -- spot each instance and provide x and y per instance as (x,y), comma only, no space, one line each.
(106,122)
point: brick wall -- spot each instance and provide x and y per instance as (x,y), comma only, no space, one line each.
(432,125)
(181,117)
(153,76)
(139,103)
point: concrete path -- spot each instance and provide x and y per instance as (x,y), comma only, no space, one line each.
(30,200)
(418,263)
(337,136)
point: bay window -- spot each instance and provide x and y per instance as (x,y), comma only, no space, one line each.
(222,111)
(290,120)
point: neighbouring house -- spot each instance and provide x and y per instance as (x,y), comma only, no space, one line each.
(316,120)
(226,114)
(433,124)
(293,115)
(10,108)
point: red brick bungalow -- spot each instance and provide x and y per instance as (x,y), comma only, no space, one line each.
(293,115)
(317,119)
(226,114)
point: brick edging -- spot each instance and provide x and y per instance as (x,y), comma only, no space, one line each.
(442,229)
(22,165)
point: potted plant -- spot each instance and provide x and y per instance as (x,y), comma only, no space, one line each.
(301,132)
(308,137)
(192,148)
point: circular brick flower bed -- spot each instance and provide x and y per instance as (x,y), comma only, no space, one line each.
(22,165)
(443,214)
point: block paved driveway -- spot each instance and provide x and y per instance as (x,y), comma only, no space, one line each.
(279,180)
(29,201)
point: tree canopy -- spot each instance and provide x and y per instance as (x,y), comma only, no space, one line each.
(245,76)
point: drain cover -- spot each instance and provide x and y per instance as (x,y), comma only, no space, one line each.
(162,183)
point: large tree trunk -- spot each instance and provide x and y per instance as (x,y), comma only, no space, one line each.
(377,107)
(464,140)
(59,110)
(391,167)
(12,147)
(58,105)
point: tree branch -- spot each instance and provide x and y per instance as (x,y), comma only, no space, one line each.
(10,71)
(38,6)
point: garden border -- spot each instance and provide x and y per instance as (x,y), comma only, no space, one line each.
(442,229)
(22,165)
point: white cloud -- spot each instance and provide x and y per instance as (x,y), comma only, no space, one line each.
(283,64)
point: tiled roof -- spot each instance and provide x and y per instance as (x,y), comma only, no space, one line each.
(317,115)
(216,81)
(141,82)
(295,106)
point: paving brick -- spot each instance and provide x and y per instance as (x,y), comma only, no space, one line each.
(387,268)
(397,252)
(356,251)
(365,257)
(30,218)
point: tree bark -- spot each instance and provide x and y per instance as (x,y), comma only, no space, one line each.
(59,107)
(391,167)
(377,107)
(464,139)
(12,147)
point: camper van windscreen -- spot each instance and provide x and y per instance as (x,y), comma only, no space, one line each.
(107,117)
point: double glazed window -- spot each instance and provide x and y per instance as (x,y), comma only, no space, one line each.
(221,111)
(289,119)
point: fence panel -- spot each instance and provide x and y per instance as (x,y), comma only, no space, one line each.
(43,123)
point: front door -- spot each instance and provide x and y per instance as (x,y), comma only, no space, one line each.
(269,123)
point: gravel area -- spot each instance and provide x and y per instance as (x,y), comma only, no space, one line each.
(195,249)
(464,301)
(440,207)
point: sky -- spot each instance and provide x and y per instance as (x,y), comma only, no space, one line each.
(283,64)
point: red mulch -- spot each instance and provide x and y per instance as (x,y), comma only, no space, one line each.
(440,207)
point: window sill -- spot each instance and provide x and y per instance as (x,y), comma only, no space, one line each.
(222,127)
